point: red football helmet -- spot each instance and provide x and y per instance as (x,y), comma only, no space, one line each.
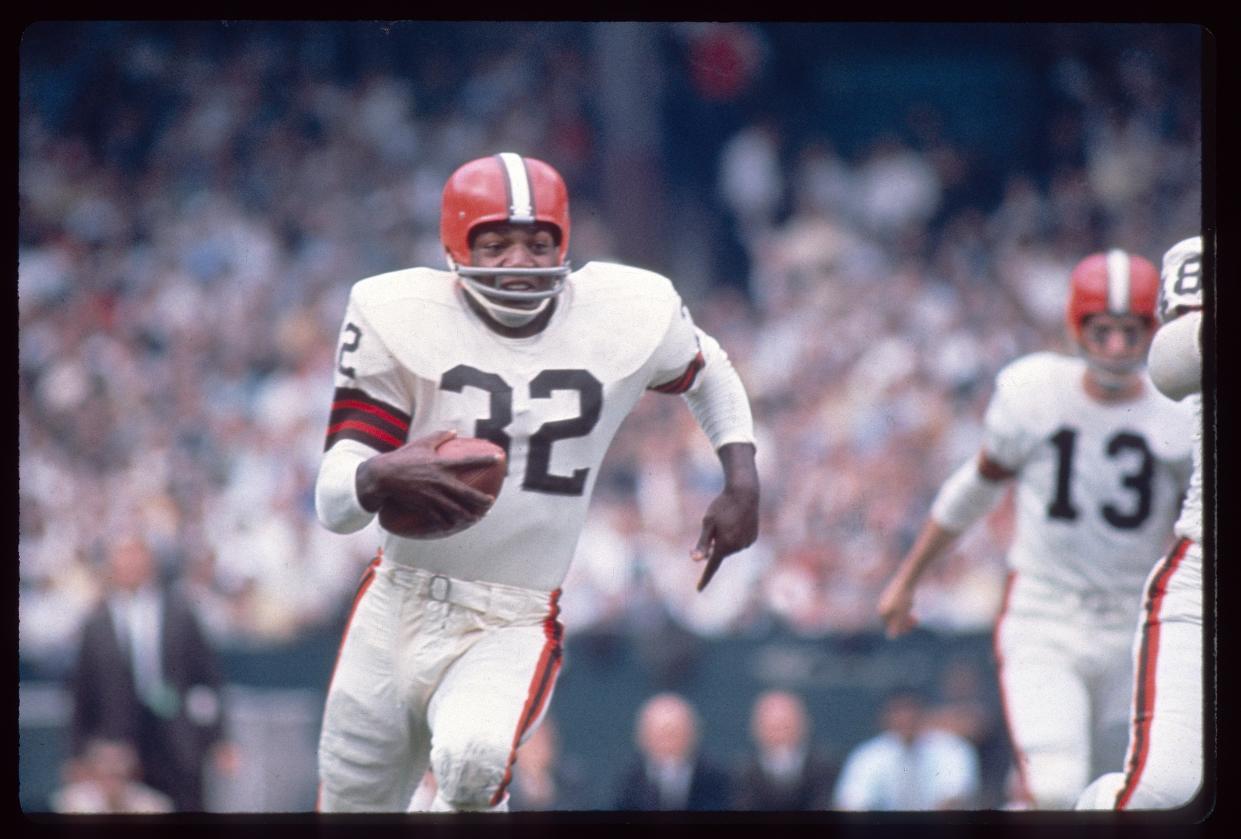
(1116,283)
(504,187)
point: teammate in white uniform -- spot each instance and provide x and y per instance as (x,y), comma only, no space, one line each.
(1163,767)
(453,645)
(1101,463)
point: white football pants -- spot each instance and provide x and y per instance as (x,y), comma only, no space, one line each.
(435,670)
(1065,679)
(1163,767)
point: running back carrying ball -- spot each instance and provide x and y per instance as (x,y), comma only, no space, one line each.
(412,523)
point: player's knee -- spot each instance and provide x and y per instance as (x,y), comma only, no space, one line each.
(469,770)
(1101,793)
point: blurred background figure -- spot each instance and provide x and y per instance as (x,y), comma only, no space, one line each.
(146,675)
(965,704)
(544,777)
(670,772)
(909,765)
(784,770)
(105,780)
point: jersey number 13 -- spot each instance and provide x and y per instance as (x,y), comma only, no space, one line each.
(1139,483)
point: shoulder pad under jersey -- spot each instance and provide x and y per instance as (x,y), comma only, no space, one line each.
(1032,378)
(414,312)
(627,311)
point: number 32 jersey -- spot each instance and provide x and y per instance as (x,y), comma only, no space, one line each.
(413,360)
(1099,484)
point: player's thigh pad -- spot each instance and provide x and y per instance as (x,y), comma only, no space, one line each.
(495,692)
(365,745)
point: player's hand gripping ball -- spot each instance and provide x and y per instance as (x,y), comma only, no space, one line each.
(415,523)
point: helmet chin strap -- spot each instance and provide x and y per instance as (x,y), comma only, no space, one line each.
(506,315)
(491,298)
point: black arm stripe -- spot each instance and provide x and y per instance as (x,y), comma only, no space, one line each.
(359,416)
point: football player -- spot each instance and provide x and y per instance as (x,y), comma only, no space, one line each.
(1163,767)
(453,644)
(1100,462)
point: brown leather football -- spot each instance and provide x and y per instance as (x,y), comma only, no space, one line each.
(411,523)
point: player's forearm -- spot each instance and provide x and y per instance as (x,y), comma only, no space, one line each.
(932,542)
(740,470)
(970,492)
(337,501)
(718,399)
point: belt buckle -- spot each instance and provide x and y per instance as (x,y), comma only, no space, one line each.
(439,587)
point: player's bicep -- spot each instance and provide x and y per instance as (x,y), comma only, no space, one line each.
(372,402)
(1006,444)
(357,414)
(679,357)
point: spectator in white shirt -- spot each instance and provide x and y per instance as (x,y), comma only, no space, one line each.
(909,766)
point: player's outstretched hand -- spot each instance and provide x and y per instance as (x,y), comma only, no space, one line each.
(730,525)
(896,603)
(415,476)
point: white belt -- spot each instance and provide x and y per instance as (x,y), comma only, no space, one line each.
(477,595)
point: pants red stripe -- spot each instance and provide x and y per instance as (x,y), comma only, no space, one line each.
(541,683)
(1144,679)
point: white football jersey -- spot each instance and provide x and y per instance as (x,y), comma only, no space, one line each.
(1180,291)
(413,360)
(1189,524)
(1098,484)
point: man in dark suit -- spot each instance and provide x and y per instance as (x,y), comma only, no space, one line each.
(670,773)
(146,675)
(783,771)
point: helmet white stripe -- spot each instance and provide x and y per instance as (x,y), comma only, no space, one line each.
(521,199)
(1117,281)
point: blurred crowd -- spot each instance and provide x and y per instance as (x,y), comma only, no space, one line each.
(192,217)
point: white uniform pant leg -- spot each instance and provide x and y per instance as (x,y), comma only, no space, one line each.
(1164,765)
(367,748)
(1111,688)
(1048,708)
(486,704)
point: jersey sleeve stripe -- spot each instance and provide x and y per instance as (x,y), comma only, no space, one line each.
(685,381)
(356,405)
(348,398)
(358,416)
(363,432)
